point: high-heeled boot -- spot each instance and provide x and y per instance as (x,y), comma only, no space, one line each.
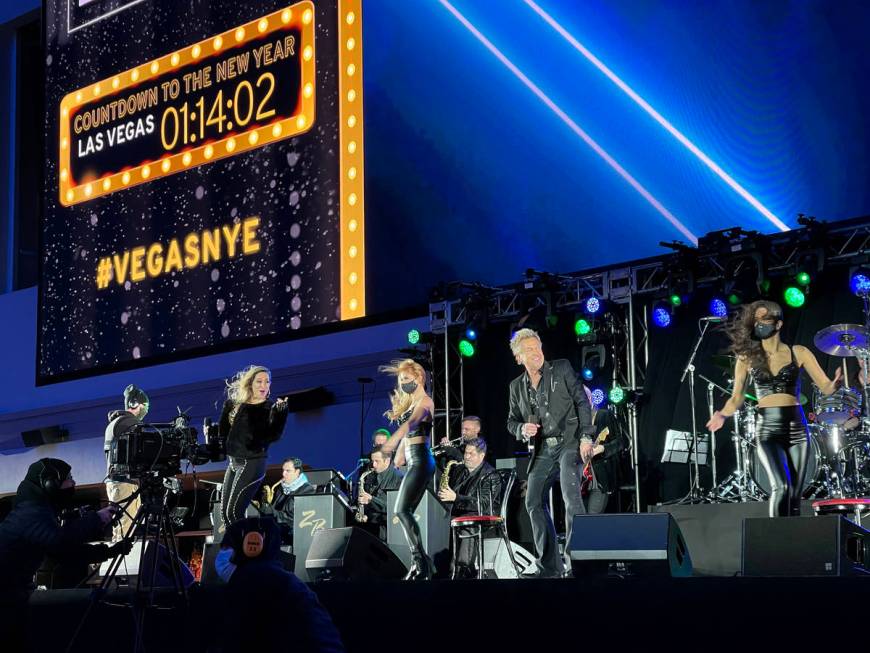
(421,568)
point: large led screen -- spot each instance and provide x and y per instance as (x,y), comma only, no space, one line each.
(204,177)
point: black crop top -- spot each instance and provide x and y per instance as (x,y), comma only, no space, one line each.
(787,381)
(423,428)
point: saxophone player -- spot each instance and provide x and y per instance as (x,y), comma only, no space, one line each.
(278,499)
(473,488)
(373,495)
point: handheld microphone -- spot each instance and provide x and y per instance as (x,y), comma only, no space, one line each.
(712,318)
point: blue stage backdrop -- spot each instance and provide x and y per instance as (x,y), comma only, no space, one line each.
(473,175)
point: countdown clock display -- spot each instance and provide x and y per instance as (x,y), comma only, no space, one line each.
(204,188)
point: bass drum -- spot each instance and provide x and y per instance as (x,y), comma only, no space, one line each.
(812,479)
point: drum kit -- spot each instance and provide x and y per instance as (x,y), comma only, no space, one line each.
(838,464)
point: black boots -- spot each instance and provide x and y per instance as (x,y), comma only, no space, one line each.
(422,567)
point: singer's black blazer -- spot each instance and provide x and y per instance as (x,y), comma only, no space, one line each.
(564,411)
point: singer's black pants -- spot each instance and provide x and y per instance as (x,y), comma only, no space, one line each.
(783,441)
(560,462)
(241,482)
(421,467)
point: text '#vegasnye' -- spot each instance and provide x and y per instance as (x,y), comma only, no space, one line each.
(195,249)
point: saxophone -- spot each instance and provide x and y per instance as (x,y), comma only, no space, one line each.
(269,492)
(360,514)
(444,483)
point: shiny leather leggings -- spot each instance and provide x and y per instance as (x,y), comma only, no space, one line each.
(421,467)
(782,448)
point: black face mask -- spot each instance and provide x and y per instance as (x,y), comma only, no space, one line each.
(408,388)
(764,331)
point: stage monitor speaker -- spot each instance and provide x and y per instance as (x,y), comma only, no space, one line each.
(827,545)
(648,544)
(351,554)
(45,435)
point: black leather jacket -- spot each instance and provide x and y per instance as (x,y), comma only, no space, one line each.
(477,492)
(377,485)
(563,407)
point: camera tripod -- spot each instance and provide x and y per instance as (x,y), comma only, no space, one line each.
(152,525)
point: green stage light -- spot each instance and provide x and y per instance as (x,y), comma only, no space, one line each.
(734,299)
(616,395)
(413,336)
(803,279)
(466,348)
(582,327)
(794,297)
(676,300)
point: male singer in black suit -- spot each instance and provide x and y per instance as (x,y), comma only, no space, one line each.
(549,408)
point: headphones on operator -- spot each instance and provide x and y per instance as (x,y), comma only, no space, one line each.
(252,532)
(49,477)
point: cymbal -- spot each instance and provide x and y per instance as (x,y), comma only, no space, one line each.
(842,340)
(723,361)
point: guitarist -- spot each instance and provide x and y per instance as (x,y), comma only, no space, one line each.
(601,472)
(549,409)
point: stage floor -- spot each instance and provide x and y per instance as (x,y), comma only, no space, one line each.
(571,614)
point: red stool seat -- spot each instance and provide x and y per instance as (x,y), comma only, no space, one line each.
(473,520)
(835,504)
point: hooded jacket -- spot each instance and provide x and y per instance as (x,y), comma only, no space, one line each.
(32,531)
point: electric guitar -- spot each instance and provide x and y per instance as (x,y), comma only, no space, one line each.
(587,468)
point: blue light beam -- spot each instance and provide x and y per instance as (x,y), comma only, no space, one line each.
(655,115)
(622,172)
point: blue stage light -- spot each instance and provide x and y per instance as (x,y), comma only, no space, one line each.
(471,333)
(598,397)
(593,305)
(718,307)
(661,317)
(860,283)
(588,373)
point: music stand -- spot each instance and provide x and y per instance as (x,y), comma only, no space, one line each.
(679,444)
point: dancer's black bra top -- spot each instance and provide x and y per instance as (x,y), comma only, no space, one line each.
(423,428)
(786,381)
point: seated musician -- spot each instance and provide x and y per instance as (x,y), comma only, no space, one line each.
(473,488)
(278,499)
(373,496)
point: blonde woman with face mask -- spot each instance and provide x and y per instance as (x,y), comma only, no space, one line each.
(412,409)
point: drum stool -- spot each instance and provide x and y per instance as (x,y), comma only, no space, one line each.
(856,507)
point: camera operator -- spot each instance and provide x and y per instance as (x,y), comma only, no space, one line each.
(136,406)
(32,531)
(249,424)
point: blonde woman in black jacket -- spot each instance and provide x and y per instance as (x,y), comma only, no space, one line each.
(250,423)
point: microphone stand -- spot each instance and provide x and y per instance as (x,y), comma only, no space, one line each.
(363,382)
(694,484)
(714,495)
